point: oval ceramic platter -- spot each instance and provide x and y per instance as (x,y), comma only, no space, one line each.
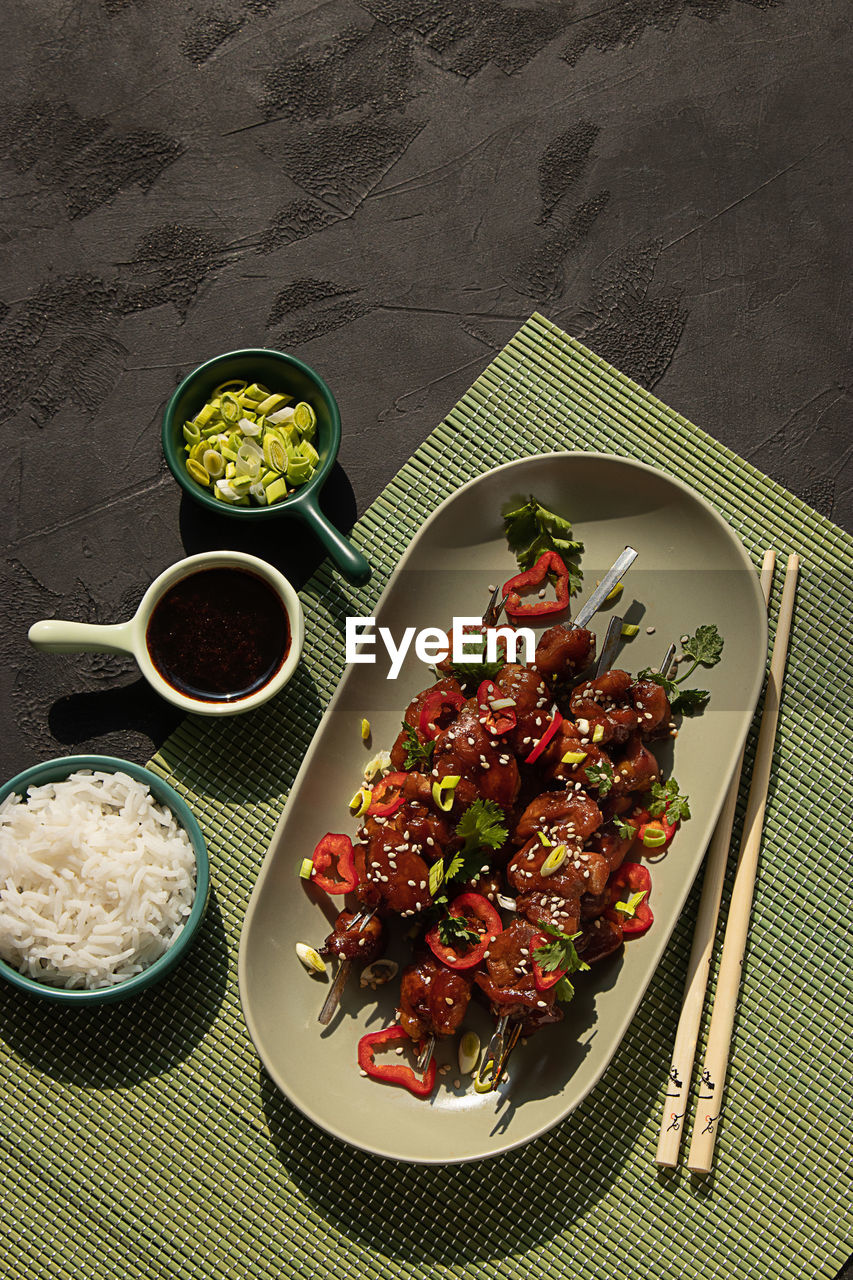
(691,570)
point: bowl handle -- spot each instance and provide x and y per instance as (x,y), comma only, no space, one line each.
(56,636)
(351,563)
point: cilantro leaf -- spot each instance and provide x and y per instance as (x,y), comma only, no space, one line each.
(532,529)
(455,931)
(625,829)
(669,686)
(559,954)
(481,827)
(417,752)
(564,990)
(705,647)
(666,800)
(477,668)
(690,701)
(601,776)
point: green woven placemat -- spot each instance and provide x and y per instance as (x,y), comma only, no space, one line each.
(145,1141)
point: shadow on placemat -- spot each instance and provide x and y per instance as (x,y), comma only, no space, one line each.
(115,1045)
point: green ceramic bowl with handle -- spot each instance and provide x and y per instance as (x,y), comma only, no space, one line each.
(288,376)
(57,771)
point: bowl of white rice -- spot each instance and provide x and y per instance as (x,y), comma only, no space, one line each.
(104,879)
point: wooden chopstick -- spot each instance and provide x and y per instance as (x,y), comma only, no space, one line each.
(713,1079)
(687,1033)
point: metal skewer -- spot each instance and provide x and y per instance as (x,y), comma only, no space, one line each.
(612,640)
(605,586)
(333,999)
(426,1053)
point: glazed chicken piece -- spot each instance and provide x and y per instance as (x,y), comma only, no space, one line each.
(636,768)
(652,706)
(606,701)
(466,749)
(413,715)
(574,813)
(433,998)
(355,938)
(532,706)
(391,875)
(568,738)
(508,983)
(564,650)
(600,937)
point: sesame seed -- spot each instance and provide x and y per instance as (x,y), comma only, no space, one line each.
(650,631)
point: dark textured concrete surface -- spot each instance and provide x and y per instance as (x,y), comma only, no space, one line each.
(387,188)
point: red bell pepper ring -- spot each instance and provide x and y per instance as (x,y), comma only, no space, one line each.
(495,721)
(544,978)
(548,562)
(335,851)
(379,807)
(632,877)
(556,721)
(393,1072)
(467,906)
(428,726)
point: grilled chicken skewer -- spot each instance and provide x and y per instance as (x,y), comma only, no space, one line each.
(356,936)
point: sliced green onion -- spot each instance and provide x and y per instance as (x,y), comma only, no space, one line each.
(469,1053)
(230,470)
(442,792)
(299,471)
(360,802)
(598,733)
(224,491)
(629,629)
(256,392)
(653,839)
(305,418)
(305,868)
(204,415)
(192,432)
(277,490)
(259,493)
(280,415)
(249,428)
(198,472)
(544,839)
(273,401)
(436,877)
(365,730)
(230,408)
(310,957)
(554,861)
(236,385)
(213,463)
(275,454)
(615,593)
(574,757)
(630,907)
(309,453)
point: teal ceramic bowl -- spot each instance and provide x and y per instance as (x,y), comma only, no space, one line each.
(289,376)
(57,771)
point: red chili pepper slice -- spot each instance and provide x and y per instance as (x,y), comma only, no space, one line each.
(393,1072)
(544,978)
(632,877)
(428,726)
(660,827)
(556,721)
(467,906)
(494,721)
(548,562)
(335,851)
(379,807)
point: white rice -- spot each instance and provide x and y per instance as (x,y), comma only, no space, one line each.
(96,880)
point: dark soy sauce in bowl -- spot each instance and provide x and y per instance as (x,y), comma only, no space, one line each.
(218,634)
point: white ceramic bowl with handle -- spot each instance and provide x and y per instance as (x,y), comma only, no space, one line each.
(57,636)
